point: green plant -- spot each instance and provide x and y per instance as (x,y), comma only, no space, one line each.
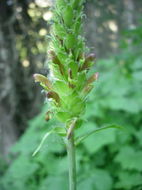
(111,155)
(71,80)
(70,85)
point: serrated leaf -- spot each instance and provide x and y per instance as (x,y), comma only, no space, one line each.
(54,183)
(94,181)
(125,104)
(129,158)
(129,180)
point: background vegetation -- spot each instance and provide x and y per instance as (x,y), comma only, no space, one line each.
(109,160)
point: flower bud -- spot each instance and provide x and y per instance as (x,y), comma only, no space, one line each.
(48,116)
(90,57)
(93,78)
(57,62)
(54,57)
(54,96)
(70,74)
(87,89)
(87,63)
(42,79)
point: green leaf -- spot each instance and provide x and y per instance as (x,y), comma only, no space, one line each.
(129,158)
(60,130)
(123,103)
(63,116)
(68,15)
(106,183)
(81,80)
(54,183)
(59,29)
(42,142)
(79,123)
(80,139)
(56,70)
(138,75)
(61,88)
(74,67)
(137,65)
(18,174)
(138,135)
(70,41)
(98,180)
(129,180)
(33,135)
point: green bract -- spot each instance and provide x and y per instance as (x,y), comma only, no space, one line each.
(71,82)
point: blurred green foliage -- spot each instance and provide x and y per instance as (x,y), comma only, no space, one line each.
(108,160)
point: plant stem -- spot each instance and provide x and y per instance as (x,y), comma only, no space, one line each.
(72,162)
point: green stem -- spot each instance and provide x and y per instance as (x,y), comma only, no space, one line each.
(72,163)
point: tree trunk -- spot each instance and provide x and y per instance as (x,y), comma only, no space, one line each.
(8,58)
(129,14)
(19,99)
